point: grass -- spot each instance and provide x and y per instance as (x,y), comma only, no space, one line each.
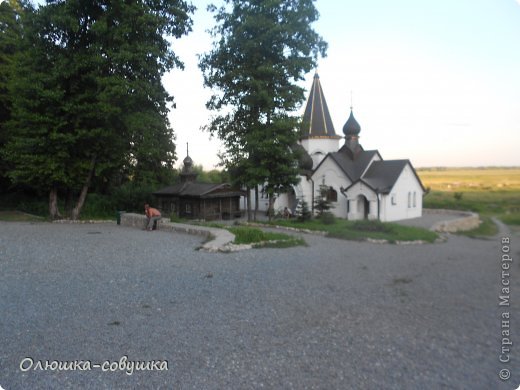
(360,230)
(249,235)
(487,191)
(487,228)
(17,216)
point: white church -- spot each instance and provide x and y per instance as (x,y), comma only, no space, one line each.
(360,184)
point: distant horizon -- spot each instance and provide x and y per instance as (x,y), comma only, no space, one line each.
(418,168)
(438,97)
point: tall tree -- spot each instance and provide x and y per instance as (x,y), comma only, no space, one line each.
(11,29)
(261,49)
(94,100)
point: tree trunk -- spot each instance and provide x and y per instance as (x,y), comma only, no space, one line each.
(256,203)
(248,199)
(83,194)
(54,213)
(270,211)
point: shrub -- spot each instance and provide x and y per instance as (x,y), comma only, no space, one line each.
(328,218)
(458,195)
(98,206)
(302,211)
(131,197)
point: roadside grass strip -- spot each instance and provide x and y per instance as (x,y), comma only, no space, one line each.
(364,230)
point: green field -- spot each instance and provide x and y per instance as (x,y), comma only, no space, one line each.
(488,191)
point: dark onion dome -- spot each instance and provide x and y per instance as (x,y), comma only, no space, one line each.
(188,162)
(351,127)
(304,159)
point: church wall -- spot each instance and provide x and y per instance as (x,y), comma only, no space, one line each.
(399,204)
(332,176)
(303,190)
(318,148)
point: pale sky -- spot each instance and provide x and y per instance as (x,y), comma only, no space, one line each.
(437,82)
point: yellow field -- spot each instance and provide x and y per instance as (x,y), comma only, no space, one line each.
(470,179)
(488,191)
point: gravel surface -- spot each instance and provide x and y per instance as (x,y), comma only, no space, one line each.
(333,315)
(427,221)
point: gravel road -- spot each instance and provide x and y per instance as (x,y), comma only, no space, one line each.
(333,315)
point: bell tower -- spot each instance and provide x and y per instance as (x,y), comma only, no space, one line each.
(317,133)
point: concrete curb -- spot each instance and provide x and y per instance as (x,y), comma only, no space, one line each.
(468,220)
(219,240)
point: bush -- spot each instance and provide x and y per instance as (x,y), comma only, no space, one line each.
(328,218)
(25,202)
(98,206)
(458,195)
(130,197)
(302,211)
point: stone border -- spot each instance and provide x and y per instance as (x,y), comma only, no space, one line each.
(78,221)
(218,240)
(468,221)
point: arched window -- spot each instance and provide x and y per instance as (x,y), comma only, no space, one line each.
(414,199)
(332,195)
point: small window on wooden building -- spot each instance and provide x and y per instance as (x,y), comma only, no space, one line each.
(393,199)
(414,199)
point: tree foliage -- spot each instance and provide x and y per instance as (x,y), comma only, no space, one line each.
(322,204)
(11,13)
(261,49)
(88,97)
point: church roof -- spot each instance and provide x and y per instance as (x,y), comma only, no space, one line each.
(317,122)
(353,168)
(199,190)
(381,176)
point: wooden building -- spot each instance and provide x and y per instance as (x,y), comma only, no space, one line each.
(196,200)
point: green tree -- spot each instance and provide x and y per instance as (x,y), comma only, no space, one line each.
(261,49)
(302,211)
(93,101)
(322,203)
(11,29)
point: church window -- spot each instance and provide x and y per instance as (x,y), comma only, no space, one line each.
(393,200)
(332,195)
(414,199)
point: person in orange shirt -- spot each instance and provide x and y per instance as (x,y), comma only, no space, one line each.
(152,215)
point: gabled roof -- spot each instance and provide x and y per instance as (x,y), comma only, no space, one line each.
(352,168)
(199,190)
(381,176)
(317,122)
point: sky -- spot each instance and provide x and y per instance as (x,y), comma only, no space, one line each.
(437,82)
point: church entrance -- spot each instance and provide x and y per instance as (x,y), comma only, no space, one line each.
(363,206)
(292,200)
